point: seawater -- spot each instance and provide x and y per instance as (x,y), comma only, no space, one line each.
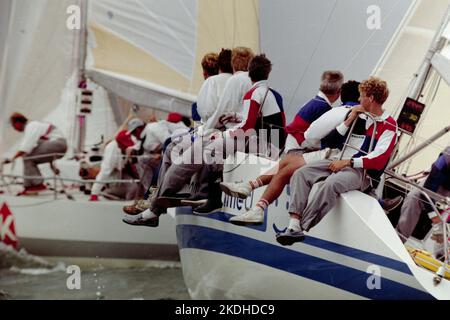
(27,277)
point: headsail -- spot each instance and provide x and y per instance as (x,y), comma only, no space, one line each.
(149,51)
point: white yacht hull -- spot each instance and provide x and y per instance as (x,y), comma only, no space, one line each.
(80,228)
(354,253)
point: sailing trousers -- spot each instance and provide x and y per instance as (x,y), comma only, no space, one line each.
(45,152)
(325,198)
(174,177)
(413,206)
(147,165)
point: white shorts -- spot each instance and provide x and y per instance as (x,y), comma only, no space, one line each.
(313,156)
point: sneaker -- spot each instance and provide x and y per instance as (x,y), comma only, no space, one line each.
(209,207)
(138,220)
(391,204)
(239,190)
(252,216)
(137,207)
(289,237)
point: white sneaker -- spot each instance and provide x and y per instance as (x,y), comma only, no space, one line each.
(239,190)
(252,216)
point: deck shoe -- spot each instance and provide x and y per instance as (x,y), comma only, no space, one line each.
(289,237)
(138,220)
(209,207)
(137,207)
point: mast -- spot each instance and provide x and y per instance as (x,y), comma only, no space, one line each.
(80,76)
(425,69)
(422,76)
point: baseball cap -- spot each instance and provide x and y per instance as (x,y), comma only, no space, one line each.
(135,123)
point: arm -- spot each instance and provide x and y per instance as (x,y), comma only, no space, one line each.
(250,121)
(17,155)
(344,126)
(320,128)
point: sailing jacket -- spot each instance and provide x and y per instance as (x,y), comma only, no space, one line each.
(231,99)
(264,108)
(210,93)
(36,131)
(309,113)
(385,139)
(439,177)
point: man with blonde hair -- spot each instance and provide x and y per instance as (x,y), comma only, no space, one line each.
(342,175)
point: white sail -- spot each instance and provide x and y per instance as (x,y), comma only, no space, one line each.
(399,68)
(304,39)
(37,64)
(149,51)
(39,71)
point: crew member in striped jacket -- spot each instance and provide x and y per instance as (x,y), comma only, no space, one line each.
(342,175)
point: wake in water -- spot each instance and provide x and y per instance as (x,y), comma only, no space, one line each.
(21,259)
(27,277)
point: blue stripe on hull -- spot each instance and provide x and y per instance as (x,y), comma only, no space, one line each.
(320,243)
(304,265)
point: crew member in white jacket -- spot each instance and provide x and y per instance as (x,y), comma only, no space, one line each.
(115,167)
(42,143)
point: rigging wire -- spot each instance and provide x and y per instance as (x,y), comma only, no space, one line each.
(369,38)
(319,41)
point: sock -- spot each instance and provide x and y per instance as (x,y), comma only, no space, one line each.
(262,204)
(255,184)
(294,224)
(147,214)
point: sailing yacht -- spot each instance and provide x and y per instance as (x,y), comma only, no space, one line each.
(148,53)
(355,252)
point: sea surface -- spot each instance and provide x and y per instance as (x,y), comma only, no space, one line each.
(27,277)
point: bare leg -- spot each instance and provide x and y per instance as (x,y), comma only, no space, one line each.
(267,177)
(278,181)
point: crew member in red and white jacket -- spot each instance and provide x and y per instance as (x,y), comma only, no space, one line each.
(42,143)
(342,175)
